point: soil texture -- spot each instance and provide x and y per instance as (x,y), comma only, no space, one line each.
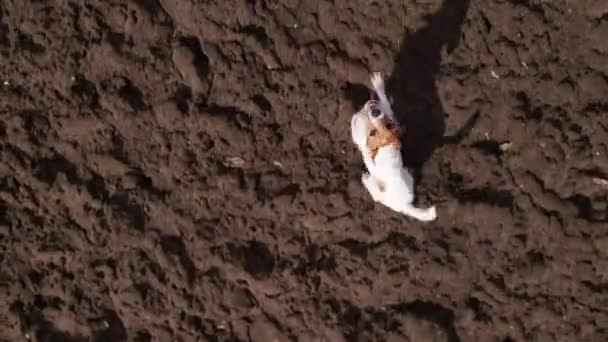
(183,171)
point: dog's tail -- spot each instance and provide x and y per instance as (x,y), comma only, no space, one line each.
(426,215)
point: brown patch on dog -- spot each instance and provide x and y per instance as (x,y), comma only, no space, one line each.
(385,133)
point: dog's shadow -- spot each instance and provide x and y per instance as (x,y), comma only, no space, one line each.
(411,85)
(416,101)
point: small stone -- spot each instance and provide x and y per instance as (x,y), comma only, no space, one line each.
(234,162)
(600,181)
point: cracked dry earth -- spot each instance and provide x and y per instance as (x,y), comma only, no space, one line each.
(183,171)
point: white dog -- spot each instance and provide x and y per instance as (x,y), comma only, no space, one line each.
(375,132)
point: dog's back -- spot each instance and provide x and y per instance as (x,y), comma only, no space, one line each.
(398,191)
(399,184)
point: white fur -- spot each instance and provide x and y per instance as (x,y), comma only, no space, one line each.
(388,181)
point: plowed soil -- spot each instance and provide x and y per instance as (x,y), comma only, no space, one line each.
(183,171)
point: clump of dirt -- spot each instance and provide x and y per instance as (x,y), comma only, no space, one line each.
(183,170)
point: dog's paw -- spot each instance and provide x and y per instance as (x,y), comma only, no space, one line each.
(377,82)
(365,178)
(368,182)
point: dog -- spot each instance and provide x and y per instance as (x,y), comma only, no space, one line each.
(378,136)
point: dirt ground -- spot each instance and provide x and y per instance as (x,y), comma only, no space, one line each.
(183,171)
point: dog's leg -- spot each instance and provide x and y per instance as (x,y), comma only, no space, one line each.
(368,161)
(371,184)
(385,105)
(425,215)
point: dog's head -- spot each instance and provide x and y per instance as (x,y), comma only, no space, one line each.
(382,130)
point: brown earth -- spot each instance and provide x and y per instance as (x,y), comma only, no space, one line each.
(183,171)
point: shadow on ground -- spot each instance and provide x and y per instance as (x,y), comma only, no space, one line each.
(412,84)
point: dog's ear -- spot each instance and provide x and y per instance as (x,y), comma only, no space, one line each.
(360,128)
